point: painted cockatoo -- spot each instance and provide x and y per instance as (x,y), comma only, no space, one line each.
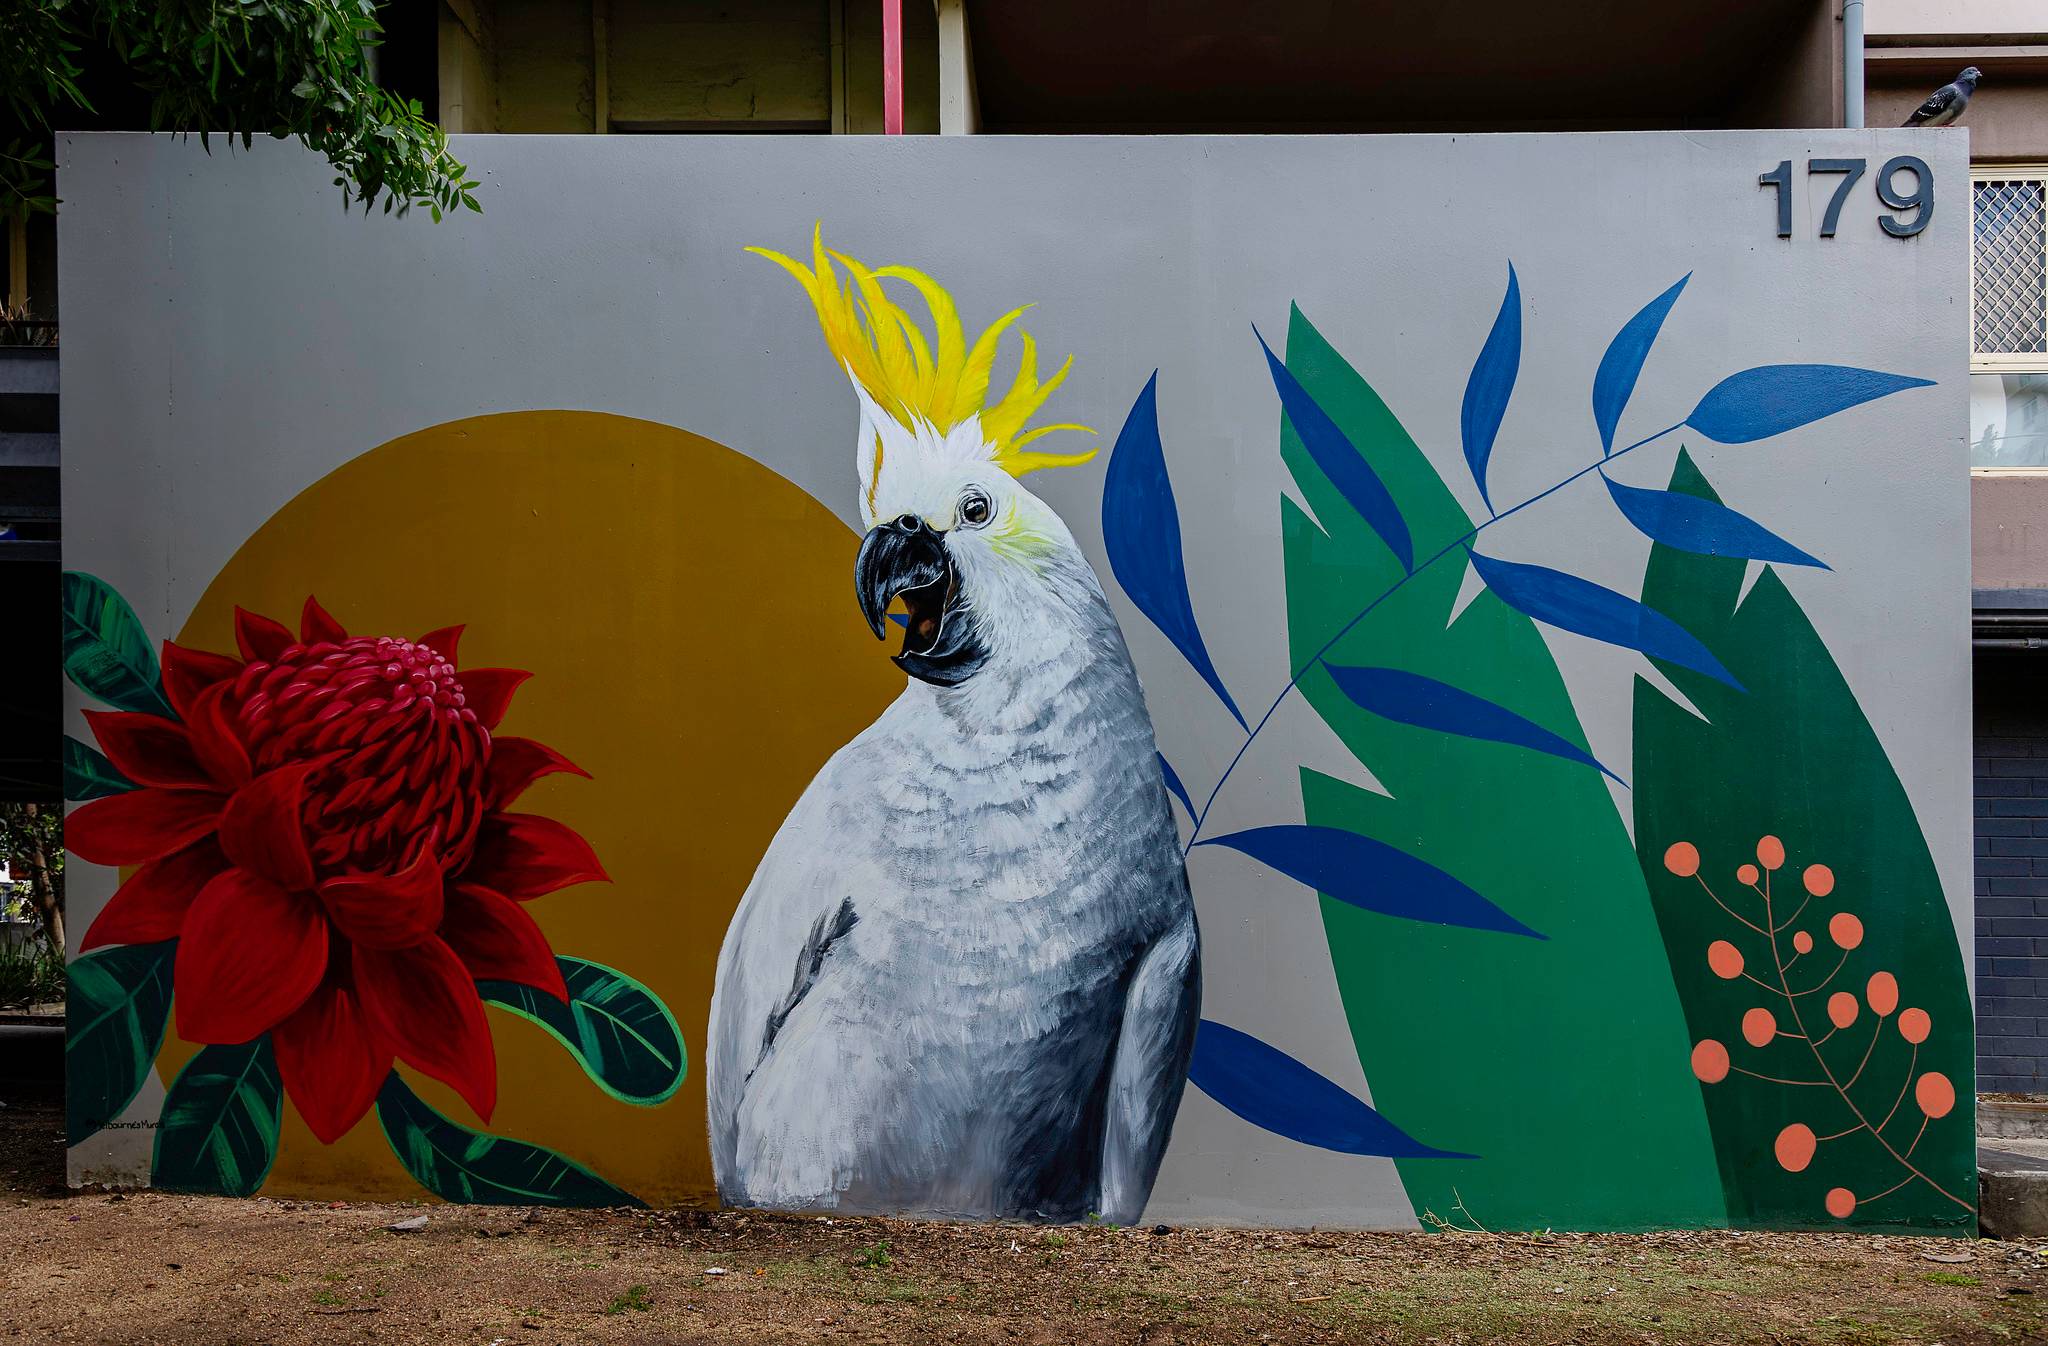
(965,978)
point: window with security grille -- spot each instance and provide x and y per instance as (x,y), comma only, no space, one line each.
(2009,318)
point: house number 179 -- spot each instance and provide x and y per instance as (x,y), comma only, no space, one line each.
(1919,201)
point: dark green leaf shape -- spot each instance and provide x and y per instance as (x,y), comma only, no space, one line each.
(619,1031)
(458,1164)
(115,1011)
(1561,1045)
(218,1132)
(107,653)
(1795,759)
(89,775)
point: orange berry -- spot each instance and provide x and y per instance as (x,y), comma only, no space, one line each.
(1802,941)
(1841,1202)
(1710,1061)
(1845,930)
(1914,1026)
(1725,959)
(1934,1094)
(1882,992)
(1770,852)
(1842,1009)
(1819,880)
(1759,1027)
(1747,874)
(1682,859)
(1795,1147)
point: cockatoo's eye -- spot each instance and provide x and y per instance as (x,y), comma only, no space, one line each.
(975,509)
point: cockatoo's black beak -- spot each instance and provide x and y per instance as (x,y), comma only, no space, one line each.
(905,558)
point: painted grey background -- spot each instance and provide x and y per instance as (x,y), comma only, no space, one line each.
(230,335)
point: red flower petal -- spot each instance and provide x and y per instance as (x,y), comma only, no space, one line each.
(187,673)
(423,1002)
(517,763)
(151,905)
(261,831)
(495,937)
(148,749)
(331,1063)
(259,637)
(315,623)
(489,692)
(443,641)
(388,911)
(249,954)
(127,829)
(523,855)
(212,733)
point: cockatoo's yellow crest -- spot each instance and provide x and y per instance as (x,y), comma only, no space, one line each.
(941,382)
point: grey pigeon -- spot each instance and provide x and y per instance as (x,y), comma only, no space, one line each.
(1946,104)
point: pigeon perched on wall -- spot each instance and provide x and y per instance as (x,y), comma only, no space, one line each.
(1946,104)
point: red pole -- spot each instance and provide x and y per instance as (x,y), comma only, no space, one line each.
(892,67)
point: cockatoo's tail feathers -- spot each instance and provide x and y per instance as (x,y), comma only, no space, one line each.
(940,382)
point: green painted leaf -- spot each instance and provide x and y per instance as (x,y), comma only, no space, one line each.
(1549,1059)
(89,775)
(618,1030)
(1795,759)
(458,1164)
(115,1011)
(218,1131)
(107,653)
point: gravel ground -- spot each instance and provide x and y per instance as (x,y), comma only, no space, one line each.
(145,1267)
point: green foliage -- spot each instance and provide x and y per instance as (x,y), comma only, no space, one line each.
(458,1164)
(89,775)
(291,69)
(875,1255)
(119,1002)
(218,1132)
(619,1031)
(636,1298)
(31,973)
(107,653)
(1814,1098)
(1550,1059)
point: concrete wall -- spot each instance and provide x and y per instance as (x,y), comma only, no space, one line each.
(622,466)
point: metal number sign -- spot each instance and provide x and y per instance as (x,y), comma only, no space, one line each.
(1919,201)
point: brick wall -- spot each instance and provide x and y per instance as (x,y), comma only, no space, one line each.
(2012,874)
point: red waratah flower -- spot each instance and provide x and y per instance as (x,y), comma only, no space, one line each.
(323,830)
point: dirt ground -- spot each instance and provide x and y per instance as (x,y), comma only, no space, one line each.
(148,1268)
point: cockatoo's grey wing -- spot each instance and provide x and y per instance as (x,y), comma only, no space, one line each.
(1161,1009)
(1937,103)
(798,909)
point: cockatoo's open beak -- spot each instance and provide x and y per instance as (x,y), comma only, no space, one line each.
(905,558)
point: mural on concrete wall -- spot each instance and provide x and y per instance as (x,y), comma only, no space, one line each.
(925,912)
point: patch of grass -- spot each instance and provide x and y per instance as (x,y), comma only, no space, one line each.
(1053,1238)
(1950,1278)
(636,1298)
(327,1299)
(875,1255)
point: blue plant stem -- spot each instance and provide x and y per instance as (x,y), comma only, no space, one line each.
(1462,541)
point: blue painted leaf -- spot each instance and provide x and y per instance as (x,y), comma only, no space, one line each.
(1180,791)
(1584,608)
(89,775)
(1339,459)
(1370,875)
(1490,384)
(1708,527)
(1771,399)
(1277,1093)
(1410,698)
(1141,532)
(1619,368)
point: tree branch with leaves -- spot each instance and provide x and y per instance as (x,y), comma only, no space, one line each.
(290,69)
